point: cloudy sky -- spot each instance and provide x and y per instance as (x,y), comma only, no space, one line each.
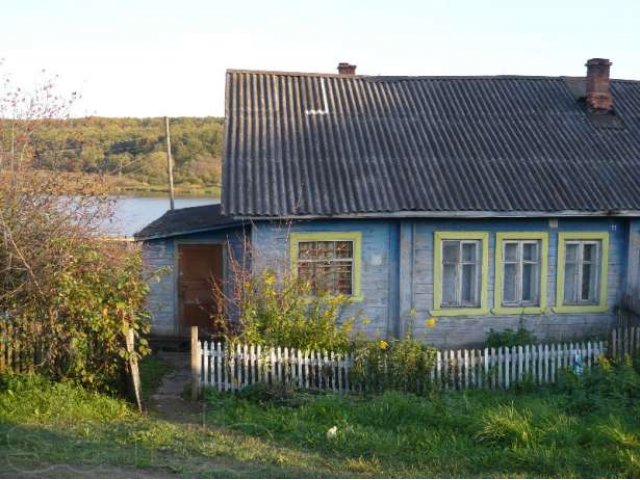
(155,57)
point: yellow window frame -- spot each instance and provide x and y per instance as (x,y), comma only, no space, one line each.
(483,309)
(501,237)
(602,305)
(355,237)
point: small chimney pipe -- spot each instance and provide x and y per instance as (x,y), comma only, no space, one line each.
(345,68)
(599,84)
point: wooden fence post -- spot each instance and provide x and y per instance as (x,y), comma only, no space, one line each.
(134,370)
(195,364)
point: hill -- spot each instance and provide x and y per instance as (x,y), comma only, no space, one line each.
(131,151)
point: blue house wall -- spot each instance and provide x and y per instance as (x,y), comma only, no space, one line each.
(161,256)
(398,284)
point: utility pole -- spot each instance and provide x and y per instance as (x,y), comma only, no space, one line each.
(169,163)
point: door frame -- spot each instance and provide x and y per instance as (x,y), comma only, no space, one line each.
(178,328)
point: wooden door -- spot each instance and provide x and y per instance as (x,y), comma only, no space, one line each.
(200,270)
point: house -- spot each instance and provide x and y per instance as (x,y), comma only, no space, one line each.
(483,202)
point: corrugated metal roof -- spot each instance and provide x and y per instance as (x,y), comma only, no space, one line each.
(182,221)
(425,144)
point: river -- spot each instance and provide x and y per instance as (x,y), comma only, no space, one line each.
(133,213)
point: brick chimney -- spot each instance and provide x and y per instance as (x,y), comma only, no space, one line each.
(345,68)
(598,85)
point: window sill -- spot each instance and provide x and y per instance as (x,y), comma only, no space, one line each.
(581,308)
(459,312)
(519,311)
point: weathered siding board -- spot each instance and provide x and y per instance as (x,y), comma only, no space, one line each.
(413,262)
(161,300)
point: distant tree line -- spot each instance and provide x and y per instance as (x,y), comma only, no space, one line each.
(131,147)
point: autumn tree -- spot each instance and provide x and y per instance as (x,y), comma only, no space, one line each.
(67,296)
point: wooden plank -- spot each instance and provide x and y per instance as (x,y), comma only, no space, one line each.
(286,370)
(195,364)
(492,367)
(307,369)
(299,378)
(452,369)
(500,358)
(486,381)
(521,363)
(458,371)
(218,365)
(205,363)
(469,374)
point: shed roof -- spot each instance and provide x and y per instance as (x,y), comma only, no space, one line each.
(302,144)
(183,221)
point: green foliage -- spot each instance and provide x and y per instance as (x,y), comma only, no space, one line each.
(61,429)
(608,382)
(152,370)
(402,365)
(277,394)
(471,434)
(509,338)
(271,433)
(132,146)
(282,313)
(68,297)
(79,326)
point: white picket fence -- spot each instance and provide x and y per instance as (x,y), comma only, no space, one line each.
(491,368)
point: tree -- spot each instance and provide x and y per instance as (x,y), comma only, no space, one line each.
(67,293)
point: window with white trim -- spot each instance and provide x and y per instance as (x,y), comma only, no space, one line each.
(521,273)
(328,266)
(581,272)
(461,270)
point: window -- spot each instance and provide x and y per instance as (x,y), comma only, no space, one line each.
(582,272)
(521,266)
(460,273)
(330,262)
(327,266)
(521,263)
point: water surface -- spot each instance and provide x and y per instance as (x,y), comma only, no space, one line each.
(133,213)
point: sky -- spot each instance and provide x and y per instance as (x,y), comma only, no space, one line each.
(142,58)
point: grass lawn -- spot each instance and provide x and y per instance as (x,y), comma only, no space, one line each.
(584,429)
(474,434)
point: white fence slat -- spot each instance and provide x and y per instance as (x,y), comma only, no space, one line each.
(451,368)
(232,367)
(486,365)
(520,363)
(492,367)
(458,371)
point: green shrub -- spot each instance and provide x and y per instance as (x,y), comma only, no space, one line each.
(402,365)
(281,312)
(510,338)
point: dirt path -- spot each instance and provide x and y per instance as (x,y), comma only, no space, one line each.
(167,401)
